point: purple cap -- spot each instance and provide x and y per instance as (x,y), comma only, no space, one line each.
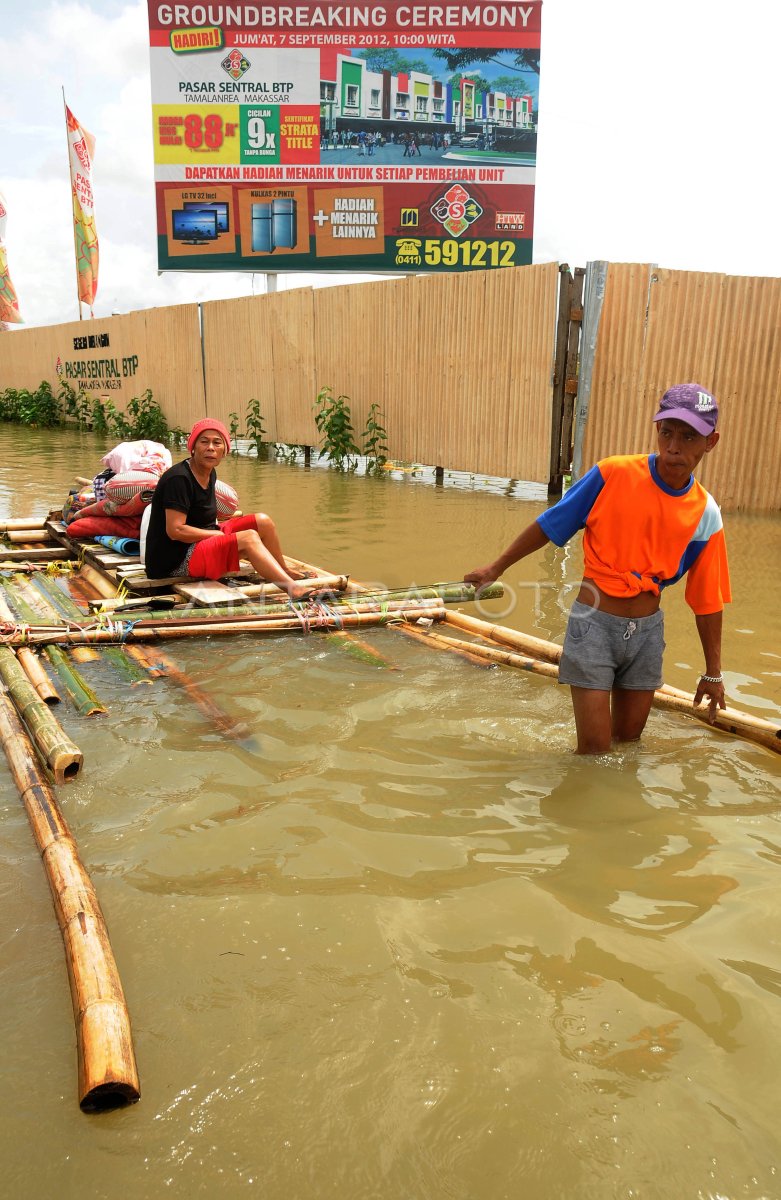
(689,402)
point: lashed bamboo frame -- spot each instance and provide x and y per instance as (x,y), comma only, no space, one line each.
(108,1075)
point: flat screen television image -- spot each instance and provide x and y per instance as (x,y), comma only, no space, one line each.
(220,207)
(194,227)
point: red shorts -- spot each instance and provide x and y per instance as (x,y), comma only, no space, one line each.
(217,556)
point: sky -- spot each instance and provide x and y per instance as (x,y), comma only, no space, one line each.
(655,144)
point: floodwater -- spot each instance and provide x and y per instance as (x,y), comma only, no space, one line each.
(404,944)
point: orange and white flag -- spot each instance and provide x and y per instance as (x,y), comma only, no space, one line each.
(81,148)
(9,305)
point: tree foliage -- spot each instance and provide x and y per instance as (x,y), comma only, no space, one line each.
(388,59)
(518,60)
(511,85)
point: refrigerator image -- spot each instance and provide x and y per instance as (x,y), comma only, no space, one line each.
(274,225)
(283,223)
(262,228)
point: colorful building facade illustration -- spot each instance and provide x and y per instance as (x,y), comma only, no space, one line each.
(357,94)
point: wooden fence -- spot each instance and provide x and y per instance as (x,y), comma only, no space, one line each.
(461,366)
(472,371)
(157,348)
(660,327)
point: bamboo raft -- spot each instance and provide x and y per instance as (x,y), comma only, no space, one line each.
(111,609)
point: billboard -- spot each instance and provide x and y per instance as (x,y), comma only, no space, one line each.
(372,137)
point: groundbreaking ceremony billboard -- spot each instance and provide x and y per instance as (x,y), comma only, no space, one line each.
(357,137)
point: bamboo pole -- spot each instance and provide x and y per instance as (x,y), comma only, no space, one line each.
(53,637)
(149,661)
(115,655)
(332,583)
(58,600)
(28,603)
(14,524)
(156,603)
(83,654)
(101,585)
(419,635)
(80,693)
(731,720)
(274,612)
(36,673)
(31,605)
(360,649)
(536,647)
(63,758)
(28,535)
(406,630)
(157,664)
(187,614)
(108,1076)
(229,726)
(745,725)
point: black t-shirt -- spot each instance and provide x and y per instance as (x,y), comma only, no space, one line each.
(179,489)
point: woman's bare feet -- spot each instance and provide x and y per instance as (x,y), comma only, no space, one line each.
(304,589)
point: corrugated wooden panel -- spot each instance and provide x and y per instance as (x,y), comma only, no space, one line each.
(172,361)
(616,387)
(356,350)
(292,325)
(157,349)
(526,317)
(238,337)
(723,332)
(743,471)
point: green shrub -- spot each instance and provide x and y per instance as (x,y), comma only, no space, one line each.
(334,424)
(374,443)
(255,431)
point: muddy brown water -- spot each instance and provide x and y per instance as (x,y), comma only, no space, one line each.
(402,943)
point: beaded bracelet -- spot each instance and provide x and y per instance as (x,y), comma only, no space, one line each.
(712,678)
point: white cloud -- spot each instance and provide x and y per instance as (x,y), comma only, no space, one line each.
(654,145)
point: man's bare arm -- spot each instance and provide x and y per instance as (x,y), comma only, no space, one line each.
(532,538)
(709,628)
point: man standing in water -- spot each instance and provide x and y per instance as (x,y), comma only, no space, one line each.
(646,522)
(184,538)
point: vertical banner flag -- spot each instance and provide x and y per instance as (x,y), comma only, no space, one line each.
(376,137)
(81,149)
(9,305)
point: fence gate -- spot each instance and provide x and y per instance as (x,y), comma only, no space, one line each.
(565,374)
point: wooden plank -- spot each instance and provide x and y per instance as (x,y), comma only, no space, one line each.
(210,593)
(46,554)
(140,583)
(109,559)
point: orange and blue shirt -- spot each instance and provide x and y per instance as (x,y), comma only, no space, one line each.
(640,535)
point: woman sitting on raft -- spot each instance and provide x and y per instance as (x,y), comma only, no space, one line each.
(184,539)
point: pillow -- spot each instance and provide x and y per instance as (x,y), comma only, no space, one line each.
(90,527)
(129,484)
(227,500)
(113,508)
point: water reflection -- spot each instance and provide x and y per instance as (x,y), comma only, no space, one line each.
(405,943)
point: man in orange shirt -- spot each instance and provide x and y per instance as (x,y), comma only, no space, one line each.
(647,522)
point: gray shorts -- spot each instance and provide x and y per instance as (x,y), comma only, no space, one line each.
(602,651)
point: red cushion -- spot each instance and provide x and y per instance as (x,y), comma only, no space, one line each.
(89,527)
